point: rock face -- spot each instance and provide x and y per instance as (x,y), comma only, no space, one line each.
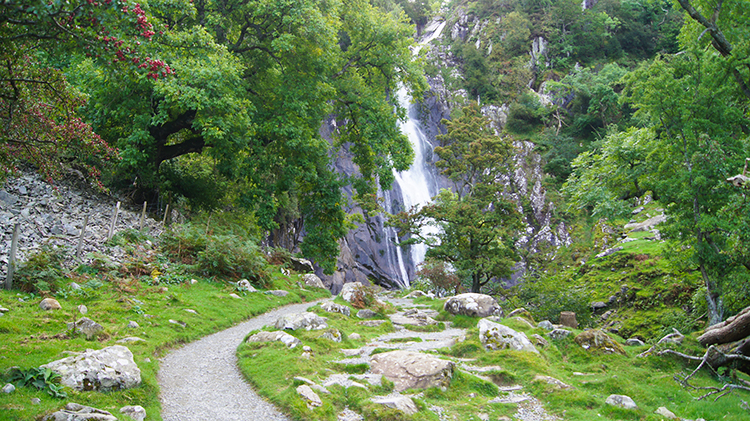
(495,336)
(472,304)
(596,340)
(283,337)
(77,412)
(307,321)
(107,369)
(412,370)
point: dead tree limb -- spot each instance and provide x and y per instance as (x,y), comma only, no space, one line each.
(733,329)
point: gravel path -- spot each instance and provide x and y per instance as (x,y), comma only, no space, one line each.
(201,381)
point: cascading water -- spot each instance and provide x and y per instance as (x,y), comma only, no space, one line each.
(418,184)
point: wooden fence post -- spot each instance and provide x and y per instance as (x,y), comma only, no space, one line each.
(12,259)
(83,234)
(166,212)
(114,221)
(143,216)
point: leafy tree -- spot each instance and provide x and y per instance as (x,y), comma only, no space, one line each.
(475,225)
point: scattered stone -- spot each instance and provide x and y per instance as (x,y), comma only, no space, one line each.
(190,310)
(307,348)
(107,369)
(332,335)
(559,334)
(472,304)
(553,381)
(9,388)
(233,295)
(78,412)
(177,322)
(349,415)
(634,342)
(415,294)
(36,401)
(638,210)
(309,396)
(283,337)
(278,292)
(609,252)
(538,340)
(366,313)
(598,305)
(645,225)
(133,325)
(130,339)
(193,281)
(86,326)
(413,317)
(3,310)
(312,280)
(596,340)
(301,265)
(83,309)
(402,403)
(351,352)
(307,321)
(495,336)
(50,304)
(621,401)
(666,413)
(332,307)
(412,370)
(136,412)
(523,313)
(546,325)
(304,380)
(342,380)
(244,285)
(74,286)
(568,319)
(511,398)
(355,336)
(371,323)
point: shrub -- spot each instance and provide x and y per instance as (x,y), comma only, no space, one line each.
(231,257)
(42,271)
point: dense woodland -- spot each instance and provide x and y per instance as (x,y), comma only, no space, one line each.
(217,105)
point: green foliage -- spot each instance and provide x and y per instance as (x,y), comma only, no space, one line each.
(229,257)
(40,378)
(42,271)
(441,279)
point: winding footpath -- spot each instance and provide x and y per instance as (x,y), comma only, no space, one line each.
(201,381)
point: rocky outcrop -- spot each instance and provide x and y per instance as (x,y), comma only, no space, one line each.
(107,369)
(412,370)
(78,412)
(283,337)
(472,304)
(331,307)
(307,321)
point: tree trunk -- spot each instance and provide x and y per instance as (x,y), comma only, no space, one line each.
(713,300)
(733,329)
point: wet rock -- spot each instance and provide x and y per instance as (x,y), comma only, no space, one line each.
(495,336)
(50,304)
(621,401)
(472,304)
(283,337)
(107,369)
(307,321)
(596,340)
(412,370)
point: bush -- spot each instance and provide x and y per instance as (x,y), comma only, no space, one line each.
(546,298)
(231,257)
(42,272)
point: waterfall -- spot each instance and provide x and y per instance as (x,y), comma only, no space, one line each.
(418,184)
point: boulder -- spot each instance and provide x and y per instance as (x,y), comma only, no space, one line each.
(666,413)
(278,292)
(86,327)
(83,309)
(366,313)
(9,388)
(401,403)
(313,281)
(50,304)
(348,290)
(301,265)
(558,334)
(523,313)
(538,340)
(136,412)
(349,415)
(78,412)
(332,307)
(412,370)
(645,225)
(568,319)
(495,336)
(546,325)
(133,325)
(244,285)
(309,396)
(412,317)
(283,337)
(307,321)
(621,401)
(107,369)
(596,340)
(472,304)
(332,335)
(355,336)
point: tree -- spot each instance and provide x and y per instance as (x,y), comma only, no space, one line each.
(475,224)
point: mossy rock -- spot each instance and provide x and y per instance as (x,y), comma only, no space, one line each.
(596,340)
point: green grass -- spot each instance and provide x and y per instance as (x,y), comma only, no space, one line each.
(30,337)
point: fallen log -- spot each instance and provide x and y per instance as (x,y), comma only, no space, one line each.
(733,329)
